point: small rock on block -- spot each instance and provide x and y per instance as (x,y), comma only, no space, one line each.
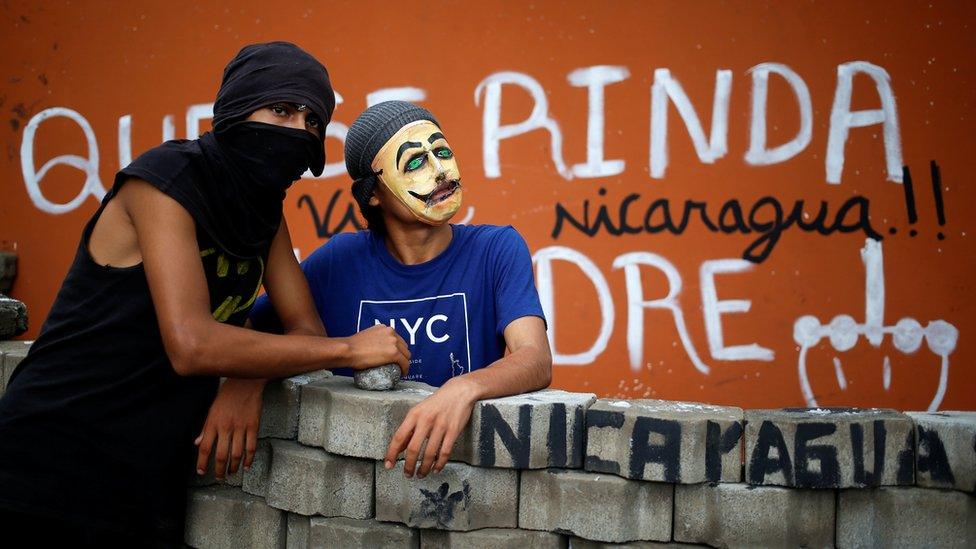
(739,515)
(224,517)
(460,497)
(281,404)
(906,517)
(529,431)
(595,506)
(945,456)
(829,447)
(380,378)
(13,317)
(676,442)
(491,538)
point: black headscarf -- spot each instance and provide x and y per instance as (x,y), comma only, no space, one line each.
(232,181)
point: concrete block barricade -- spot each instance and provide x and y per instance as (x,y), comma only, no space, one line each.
(460,497)
(906,517)
(11,353)
(829,448)
(281,404)
(945,455)
(225,517)
(491,538)
(310,481)
(595,506)
(530,431)
(255,481)
(580,543)
(677,442)
(322,532)
(739,515)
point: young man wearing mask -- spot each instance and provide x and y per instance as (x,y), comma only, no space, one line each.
(98,423)
(460,295)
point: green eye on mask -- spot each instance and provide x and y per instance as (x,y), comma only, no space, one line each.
(415,163)
(444,153)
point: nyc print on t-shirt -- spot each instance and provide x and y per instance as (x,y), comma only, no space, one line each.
(435,329)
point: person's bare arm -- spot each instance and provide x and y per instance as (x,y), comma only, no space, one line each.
(195,343)
(441,417)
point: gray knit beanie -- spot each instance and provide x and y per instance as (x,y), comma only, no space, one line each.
(374,128)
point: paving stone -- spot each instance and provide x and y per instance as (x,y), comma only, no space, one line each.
(529,431)
(740,515)
(298,526)
(13,317)
(356,533)
(829,447)
(906,517)
(676,442)
(255,479)
(595,506)
(380,378)
(281,404)
(946,453)
(310,481)
(580,543)
(460,497)
(345,420)
(224,517)
(491,538)
(11,353)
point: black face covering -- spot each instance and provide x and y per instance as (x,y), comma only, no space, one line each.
(233,180)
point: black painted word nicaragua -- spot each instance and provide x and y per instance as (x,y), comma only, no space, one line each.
(766,218)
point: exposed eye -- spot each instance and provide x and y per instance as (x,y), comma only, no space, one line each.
(280,109)
(443,152)
(415,162)
(313,121)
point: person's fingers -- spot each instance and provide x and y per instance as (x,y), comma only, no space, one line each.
(445,450)
(402,348)
(430,452)
(220,457)
(398,442)
(250,446)
(204,443)
(236,449)
(414,447)
(404,363)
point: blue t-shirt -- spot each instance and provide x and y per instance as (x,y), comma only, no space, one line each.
(452,310)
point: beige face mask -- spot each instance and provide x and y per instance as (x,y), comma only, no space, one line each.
(418,167)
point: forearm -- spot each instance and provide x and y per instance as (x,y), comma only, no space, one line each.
(212,348)
(527,369)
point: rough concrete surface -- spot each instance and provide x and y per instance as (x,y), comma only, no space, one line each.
(945,455)
(11,353)
(310,481)
(491,538)
(595,506)
(740,515)
(221,517)
(255,481)
(13,317)
(906,517)
(380,378)
(460,497)
(677,442)
(281,403)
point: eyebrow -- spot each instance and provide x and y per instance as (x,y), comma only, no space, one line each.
(434,137)
(404,147)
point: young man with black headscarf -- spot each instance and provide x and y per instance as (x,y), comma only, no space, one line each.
(462,296)
(98,423)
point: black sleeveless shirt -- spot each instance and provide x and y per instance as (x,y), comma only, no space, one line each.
(96,427)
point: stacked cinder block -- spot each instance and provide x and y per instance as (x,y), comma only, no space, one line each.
(552,468)
(11,353)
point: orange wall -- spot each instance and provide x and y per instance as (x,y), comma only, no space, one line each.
(150,60)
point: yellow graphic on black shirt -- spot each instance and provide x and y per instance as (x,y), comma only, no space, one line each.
(232,304)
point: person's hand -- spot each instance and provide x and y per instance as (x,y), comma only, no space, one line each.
(377,346)
(433,426)
(231,429)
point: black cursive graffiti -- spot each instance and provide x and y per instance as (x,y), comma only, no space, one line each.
(766,218)
(322,223)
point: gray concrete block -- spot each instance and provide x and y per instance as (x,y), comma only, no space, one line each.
(11,353)
(209,478)
(310,481)
(225,517)
(595,506)
(945,456)
(298,528)
(255,481)
(380,378)
(281,404)
(580,543)
(906,517)
(13,317)
(356,533)
(460,497)
(676,442)
(829,447)
(530,431)
(491,538)
(345,420)
(739,515)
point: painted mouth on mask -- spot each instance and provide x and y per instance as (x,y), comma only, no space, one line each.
(441,192)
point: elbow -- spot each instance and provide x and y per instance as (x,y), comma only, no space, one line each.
(545,368)
(184,350)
